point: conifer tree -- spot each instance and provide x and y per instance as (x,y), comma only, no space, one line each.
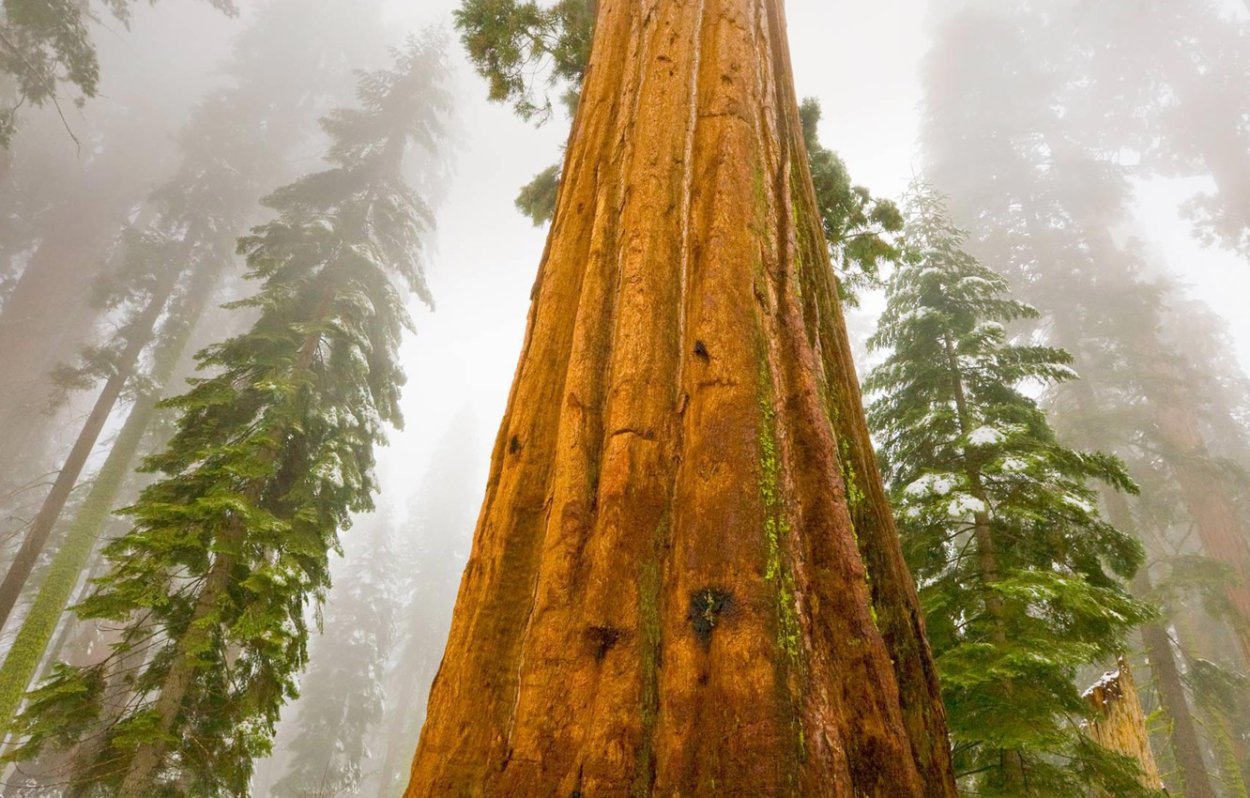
(1048,202)
(1021,580)
(271,455)
(174,266)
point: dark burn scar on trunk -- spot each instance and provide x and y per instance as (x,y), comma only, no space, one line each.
(707,607)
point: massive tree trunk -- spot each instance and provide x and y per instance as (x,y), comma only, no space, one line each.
(665,594)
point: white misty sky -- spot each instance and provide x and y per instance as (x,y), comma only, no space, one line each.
(861,60)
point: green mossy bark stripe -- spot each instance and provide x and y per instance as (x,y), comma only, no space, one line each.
(68,565)
(72,557)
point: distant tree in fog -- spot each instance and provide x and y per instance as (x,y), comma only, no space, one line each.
(344,693)
(167,270)
(46,45)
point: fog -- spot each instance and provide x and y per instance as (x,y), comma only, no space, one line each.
(97,167)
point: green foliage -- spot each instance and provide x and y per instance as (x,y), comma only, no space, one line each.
(45,44)
(1020,578)
(525,50)
(860,229)
(272,454)
(537,199)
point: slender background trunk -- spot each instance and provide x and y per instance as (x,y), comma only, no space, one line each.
(1183,731)
(73,556)
(41,528)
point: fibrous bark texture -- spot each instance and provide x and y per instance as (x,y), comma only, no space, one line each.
(1119,724)
(665,594)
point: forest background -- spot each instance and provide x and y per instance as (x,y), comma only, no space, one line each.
(863,61)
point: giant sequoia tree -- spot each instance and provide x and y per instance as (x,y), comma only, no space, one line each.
(665,593)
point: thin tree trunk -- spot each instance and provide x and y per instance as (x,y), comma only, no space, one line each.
(142,773)
(1011,762)
(665,594)
(1186,747)
(41,528)
(72,557)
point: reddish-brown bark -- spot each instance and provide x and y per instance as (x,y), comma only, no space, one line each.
(1118,723)
(665,595)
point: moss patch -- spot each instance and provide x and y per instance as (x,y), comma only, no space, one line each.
(776,526)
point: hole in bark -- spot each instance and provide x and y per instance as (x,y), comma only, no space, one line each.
(514,445)
(703,678)
(707,606)
(700,349)
(602,640)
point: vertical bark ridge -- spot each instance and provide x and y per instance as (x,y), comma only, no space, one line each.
(665,596)
(895,602)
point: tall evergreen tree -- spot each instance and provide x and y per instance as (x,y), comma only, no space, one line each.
(1047,198)
(1021,580)
(271,455)
(173,266)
